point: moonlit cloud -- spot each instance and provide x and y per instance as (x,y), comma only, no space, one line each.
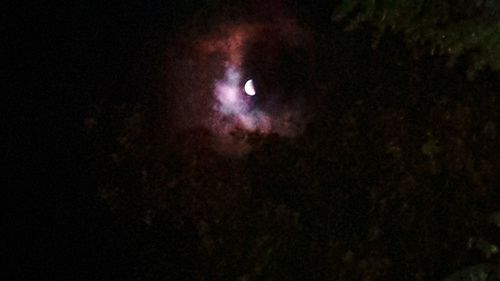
(228,94)
(236,108)
(221,98)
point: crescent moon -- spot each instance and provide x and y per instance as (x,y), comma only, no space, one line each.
(249,88)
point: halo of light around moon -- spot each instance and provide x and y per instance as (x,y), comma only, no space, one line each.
(249,88)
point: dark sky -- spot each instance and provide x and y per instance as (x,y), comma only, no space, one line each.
(66,57)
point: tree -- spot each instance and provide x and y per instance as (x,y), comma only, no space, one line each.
(444,27)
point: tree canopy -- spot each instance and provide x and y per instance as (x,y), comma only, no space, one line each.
(453,28)
(395,177)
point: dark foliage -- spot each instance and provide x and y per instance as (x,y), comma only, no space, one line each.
(397,170)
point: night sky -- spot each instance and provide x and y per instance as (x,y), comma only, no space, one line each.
(71,64)
(66,58)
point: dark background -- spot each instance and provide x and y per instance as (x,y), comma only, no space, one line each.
(65,58)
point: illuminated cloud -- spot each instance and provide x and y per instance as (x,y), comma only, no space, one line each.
(217,95)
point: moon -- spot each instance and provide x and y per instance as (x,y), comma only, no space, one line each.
(249,88)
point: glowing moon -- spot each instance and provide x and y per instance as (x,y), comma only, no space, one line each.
(249,89)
